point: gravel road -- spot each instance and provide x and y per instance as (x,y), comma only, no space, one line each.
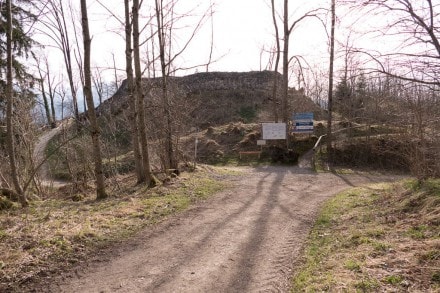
(244,239)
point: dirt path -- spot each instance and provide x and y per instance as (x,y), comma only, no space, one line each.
(39,155)
(245,239)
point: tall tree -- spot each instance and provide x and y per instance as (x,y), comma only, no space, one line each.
(166,19)
(140,173)
(288,28)
(140,95)
(277,62)
(22,43)
(10,105)
(330,83)
(171,161)
(99,174)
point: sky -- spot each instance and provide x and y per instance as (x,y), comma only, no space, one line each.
(243,29)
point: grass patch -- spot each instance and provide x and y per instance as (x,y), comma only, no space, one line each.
(367,285)
(393,279)
(353,265)
(365,233)
(418,232)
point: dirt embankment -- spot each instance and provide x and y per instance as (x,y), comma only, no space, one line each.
(245,239)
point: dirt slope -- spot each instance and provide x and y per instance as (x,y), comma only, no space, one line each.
(245,239)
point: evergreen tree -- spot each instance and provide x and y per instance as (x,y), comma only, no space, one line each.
(22,43)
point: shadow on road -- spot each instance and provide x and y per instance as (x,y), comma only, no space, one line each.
(195,247)
(245,269)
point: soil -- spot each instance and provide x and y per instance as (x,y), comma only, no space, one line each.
(244,239)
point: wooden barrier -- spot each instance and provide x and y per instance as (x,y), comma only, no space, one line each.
(249,153)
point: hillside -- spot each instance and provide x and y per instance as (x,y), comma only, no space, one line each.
(215,98)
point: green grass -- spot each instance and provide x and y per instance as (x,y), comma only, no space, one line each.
(367,285)
(394,279)
(353,265)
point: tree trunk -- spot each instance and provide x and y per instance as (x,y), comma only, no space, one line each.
(171,161)
(45,100)
(330,84)
(9,109)
(138,91)
(51,94)
(285,84)
(140,174)
(277,62)
(100,186)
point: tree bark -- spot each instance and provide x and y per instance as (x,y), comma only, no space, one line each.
(171,161)
(51,90)
(285,83)
(45,100)
(277,62)
(138,92)
(140,174)
(9,108)
(330,84)
(99,174)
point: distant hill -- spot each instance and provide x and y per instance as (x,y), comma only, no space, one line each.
(213,98)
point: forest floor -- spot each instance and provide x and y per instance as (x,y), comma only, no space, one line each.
(246,238)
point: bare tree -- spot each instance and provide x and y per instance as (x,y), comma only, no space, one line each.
(171,161)
(51,88)
(140,95)
(98,84)
(330,83)
(277,62)
(166,20)
(56,28)
(140,173)
(47,111)
(100,184)
(417,24)
(47,103)
(287,31)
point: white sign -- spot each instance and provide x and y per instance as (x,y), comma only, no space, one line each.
(261,142)
(274,130)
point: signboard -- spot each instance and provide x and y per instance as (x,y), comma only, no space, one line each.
(274,130)
(261,142)
(303,122)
